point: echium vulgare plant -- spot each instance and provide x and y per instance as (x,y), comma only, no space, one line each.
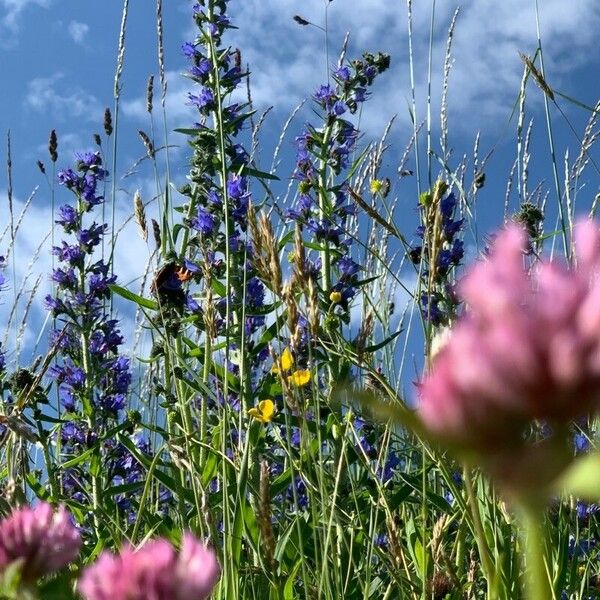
(438,254)
(323,208)
(323,157)
(220,277)
(210,300)
(92,378)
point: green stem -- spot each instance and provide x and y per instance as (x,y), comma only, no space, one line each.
(323,210)
(537,581)
(482,545)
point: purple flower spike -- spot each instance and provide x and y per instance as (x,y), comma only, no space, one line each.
(154,571)
(44,540)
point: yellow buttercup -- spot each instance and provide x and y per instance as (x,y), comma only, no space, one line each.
(284,363)
(299,378)
(264,412)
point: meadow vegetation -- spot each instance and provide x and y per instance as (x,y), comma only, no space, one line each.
(269,438)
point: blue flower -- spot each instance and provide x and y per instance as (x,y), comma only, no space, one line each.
(68,217)
(188,49)
(347,267)
(202,69)
(342,73)
(581,443)
(204,100)
(236,186)
(204,222)
(325,96)
(255,292)
(72,254)
(89,238)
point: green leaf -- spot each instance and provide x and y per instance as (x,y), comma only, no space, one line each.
(58,588)
(582,478)
(128,295)
(146,462)
(356,164)
(415,546)
(288,237)
(288,590)
(385,342)
(258,174)
(188,130)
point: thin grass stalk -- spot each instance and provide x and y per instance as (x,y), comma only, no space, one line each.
(413,93)
(115,120)
(559,197)
(445,87)
(163,99)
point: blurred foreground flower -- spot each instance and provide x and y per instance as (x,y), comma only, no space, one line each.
(155,571)
(527,349)
(44,540)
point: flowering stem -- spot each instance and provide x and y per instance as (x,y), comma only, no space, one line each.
(537,581)
(326,258)
(484,551)
(203,408)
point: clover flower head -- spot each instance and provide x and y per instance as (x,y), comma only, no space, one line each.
(154,571)
(44,540)
(527,348)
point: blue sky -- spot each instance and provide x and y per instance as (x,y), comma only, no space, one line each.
(58,60)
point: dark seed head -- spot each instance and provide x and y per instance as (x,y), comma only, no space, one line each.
(300,20)
(53,146)
(108,128)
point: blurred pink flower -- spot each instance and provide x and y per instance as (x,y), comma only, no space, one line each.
(527,347)
(44,540)
(154,572)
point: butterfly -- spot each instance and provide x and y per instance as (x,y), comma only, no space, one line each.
(167,281)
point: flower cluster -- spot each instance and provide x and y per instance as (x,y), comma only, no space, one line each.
(93,380)
(217,213)
(2,283)
(44,540)
(91,372)
(320,207)
(154,571)
(440,251)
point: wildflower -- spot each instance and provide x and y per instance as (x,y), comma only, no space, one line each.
(284,363)
(44,540)
(264,412)
(188,49)
(527,348)
(204,100)
(342,73)
(376,186)
(335,297)
(300,377)
(154,571)
(204,222)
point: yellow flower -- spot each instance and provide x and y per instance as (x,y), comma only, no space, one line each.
(284,363)
(299,378)
(264,412)
(335,297)
(375,185)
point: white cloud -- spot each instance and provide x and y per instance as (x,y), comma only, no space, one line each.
(178,111)
(290,61)
(78,31)
(32,251)
(44,94)
(10,21)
